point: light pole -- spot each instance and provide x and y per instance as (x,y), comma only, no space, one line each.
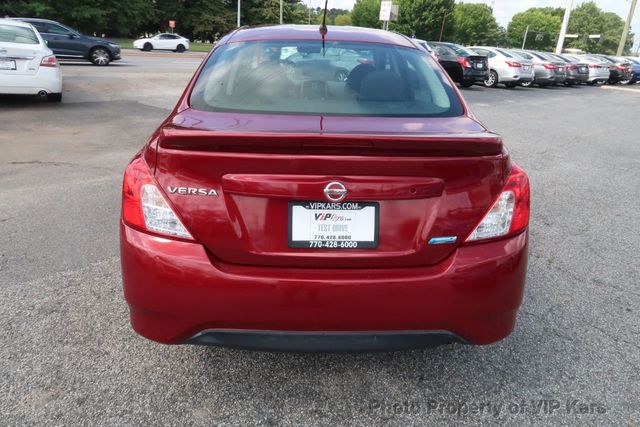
(625,33)
(524,40)
(565,24)
(281,10)
(444,17)
(239,13)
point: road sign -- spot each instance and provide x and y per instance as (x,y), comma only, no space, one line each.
(172,24)
(394,13)
(385,10)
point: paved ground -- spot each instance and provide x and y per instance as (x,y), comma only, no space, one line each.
(69,357)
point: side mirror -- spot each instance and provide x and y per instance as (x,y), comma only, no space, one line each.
(73,36)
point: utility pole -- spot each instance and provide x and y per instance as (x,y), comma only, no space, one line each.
(524,40)
(625,33)
(239,13)
(444,17)
(281,9)
(565,24)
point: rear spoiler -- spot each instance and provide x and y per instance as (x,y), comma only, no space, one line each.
(464,144)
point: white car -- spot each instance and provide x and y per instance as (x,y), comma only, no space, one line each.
(27,65)
(164,41)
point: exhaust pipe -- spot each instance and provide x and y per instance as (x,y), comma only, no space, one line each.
(42,93)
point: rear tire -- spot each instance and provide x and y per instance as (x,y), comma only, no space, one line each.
(54,97)
(148,47)
(527,84)
(510,85)
(180,48)
(492,80)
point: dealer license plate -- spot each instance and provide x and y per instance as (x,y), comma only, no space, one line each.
(325,225)
(6,64)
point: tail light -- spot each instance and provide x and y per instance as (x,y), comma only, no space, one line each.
(464,62)
(549,66)
(621,68)
(49,61)
(509,214)
(571,67)
(513,64)
(595,66)
(144,206)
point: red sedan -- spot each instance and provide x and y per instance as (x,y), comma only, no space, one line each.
(284,206)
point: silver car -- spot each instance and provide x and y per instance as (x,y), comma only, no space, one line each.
(544,70)
(599,71)
(505,68)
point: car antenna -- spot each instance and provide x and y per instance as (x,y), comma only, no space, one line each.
(323,26)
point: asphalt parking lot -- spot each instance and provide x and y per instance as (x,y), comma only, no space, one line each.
(69,357)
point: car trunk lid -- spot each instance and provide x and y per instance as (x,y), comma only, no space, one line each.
(478,62)
(428,178)
(15,59)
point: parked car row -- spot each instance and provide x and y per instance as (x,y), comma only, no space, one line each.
(492,66)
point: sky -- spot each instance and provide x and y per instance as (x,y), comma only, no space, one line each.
(505,9)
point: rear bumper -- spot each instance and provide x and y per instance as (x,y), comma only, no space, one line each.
(333,342)
(545,79)
(510,78)
(177,293)
(474,75)
(47,79)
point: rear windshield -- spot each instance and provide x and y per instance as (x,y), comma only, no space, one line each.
(15,34)
(522,55)
(461,51)
(344,78)
(505,53)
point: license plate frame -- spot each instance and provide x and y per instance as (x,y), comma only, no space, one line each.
(10,65)
(362,220)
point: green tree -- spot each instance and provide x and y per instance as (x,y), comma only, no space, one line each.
(544,27)
(424,18)
(366,13)
(208,19)
(343,19)
(475,24)
(587,19)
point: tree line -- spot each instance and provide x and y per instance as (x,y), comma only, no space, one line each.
(197,19)
(207,20)
(474,24)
